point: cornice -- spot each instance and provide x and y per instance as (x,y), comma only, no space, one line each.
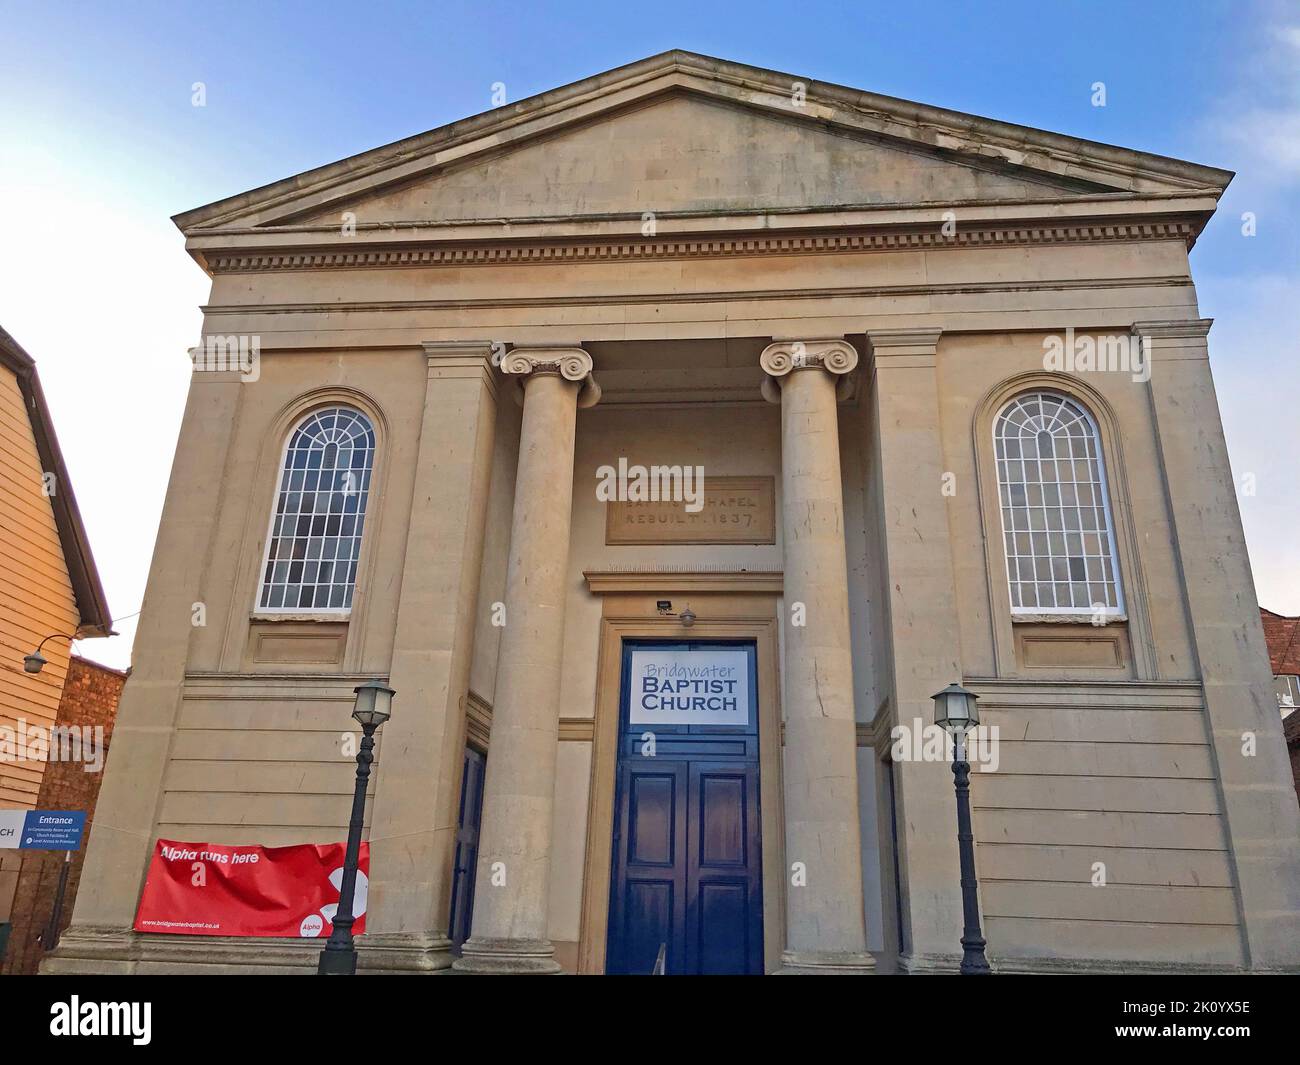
(614,250)
(1181,329)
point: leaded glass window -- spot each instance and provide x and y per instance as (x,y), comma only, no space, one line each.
(1056,524)
(320,508)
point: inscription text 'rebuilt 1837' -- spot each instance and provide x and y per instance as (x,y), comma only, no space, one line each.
(737,510)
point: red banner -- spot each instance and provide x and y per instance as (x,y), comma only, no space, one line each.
(205,889)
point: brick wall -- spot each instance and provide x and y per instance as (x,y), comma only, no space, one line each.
(1283,637)
(90,697)
(1282,634)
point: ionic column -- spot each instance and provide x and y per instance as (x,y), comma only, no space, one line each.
(508,930)
(826,929)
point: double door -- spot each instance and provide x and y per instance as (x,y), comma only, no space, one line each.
(687,864)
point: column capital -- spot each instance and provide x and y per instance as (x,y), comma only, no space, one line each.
(907,347)
(570,362)
(451,350)
(783,356)
(1186,329)
(1170,341)
(462,359)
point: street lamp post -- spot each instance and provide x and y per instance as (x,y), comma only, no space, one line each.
(373,707)
(956,713)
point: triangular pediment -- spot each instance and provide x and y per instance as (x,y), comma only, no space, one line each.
(686,153)
(681,135)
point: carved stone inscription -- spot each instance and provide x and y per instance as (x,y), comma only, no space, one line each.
(736,510)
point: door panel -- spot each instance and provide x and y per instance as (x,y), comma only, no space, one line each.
(466,861)
(725,917)
(721,810)
(687,849)
(723,944)
(651,821)
(648,898)
(649,920)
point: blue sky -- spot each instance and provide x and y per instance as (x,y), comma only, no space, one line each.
(100,144)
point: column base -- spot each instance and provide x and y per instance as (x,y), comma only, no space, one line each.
(404,952)
(942,964)
(825,963)
(500,957)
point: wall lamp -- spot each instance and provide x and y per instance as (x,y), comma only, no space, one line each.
(35,662)
(665,608)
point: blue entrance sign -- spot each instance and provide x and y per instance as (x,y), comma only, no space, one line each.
(52,830)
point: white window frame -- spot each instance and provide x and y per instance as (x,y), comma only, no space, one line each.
(338,612)
(1023,613)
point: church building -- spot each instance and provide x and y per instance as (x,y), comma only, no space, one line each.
(666,441)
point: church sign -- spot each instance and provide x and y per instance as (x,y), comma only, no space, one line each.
(689,688)
(736,510)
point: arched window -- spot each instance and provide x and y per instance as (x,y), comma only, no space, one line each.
(320,508)
(1056,526)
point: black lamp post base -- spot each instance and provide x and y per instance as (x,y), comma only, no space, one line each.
(973,961)
(337,963)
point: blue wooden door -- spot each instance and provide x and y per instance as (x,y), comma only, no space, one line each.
(687,848)
(466,859)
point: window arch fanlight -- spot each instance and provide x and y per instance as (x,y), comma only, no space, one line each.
(1056,522)
(320,509)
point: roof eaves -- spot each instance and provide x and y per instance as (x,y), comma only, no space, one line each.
(82,572)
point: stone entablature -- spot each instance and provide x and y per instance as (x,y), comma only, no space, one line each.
(932,236)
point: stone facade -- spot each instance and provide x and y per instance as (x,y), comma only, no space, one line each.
(693,262)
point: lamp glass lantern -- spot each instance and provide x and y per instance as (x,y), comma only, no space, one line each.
(955,711)
(374,703)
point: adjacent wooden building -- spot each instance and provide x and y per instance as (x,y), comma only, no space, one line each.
(48,581)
